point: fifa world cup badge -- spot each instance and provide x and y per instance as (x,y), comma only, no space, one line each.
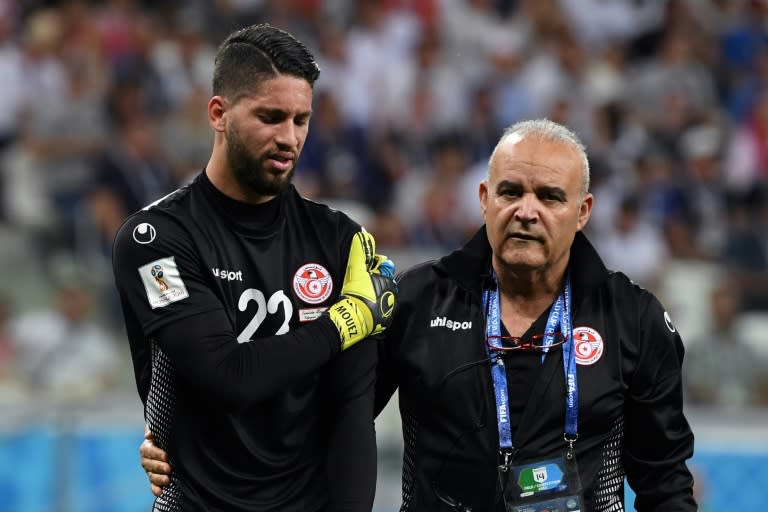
(162,282)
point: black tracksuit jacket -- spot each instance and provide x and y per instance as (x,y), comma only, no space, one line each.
(631,421)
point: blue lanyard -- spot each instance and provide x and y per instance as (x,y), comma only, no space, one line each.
(559,315)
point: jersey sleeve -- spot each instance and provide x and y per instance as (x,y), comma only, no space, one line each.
(348,396)
(658,437)
(351,462)
(149,243)
(237,375)
(158,272)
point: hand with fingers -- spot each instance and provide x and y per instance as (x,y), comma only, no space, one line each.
(368,294)
(154,460)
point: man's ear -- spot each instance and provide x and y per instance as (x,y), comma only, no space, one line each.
(483,194)
(585,210)
(217,107)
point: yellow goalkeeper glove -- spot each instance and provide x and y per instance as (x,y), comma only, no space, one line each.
(368,294)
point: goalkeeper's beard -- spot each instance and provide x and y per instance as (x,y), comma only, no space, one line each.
(250,171)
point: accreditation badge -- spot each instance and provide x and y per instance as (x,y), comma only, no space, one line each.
(548,485)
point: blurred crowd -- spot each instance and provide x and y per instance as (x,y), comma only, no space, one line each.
(103,110)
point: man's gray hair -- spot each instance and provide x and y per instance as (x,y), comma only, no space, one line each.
(548,130)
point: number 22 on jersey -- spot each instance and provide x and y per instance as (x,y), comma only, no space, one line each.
(264,307)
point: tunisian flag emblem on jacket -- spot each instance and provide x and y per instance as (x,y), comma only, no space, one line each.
(588,345)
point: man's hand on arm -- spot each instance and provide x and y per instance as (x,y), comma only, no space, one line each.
(367,295)
(154,460)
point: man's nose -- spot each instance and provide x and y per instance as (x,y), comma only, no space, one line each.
(287,135)
(527,210)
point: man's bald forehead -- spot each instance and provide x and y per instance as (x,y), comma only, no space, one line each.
(505,150)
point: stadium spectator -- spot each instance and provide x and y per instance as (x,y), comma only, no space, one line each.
(721,368)
(129,174)
(634,245)
(10,380)
(333,161)
(60,140)
(61,350)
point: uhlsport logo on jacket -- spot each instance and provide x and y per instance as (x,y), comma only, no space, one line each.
(454,325)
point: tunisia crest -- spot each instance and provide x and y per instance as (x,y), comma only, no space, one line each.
(312,283)
(588,345)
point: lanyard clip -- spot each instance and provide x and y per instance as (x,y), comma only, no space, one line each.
(570,439)
(506,457)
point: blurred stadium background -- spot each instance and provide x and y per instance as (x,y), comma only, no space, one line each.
(102,110)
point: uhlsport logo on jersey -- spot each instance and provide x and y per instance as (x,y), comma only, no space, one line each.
(312,283)
(162,282)
(588,345)
(144,233)
(227,275)
(668,321)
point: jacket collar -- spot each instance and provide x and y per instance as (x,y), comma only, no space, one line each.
(470,264)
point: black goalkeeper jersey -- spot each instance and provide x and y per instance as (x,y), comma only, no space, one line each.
(240,376)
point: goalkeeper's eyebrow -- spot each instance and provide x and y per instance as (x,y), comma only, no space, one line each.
(276,115)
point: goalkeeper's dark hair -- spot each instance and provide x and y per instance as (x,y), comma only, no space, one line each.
(256,53)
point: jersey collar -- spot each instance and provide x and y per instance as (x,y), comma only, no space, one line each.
(253,220)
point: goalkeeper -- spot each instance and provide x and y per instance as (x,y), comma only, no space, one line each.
(246,304)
